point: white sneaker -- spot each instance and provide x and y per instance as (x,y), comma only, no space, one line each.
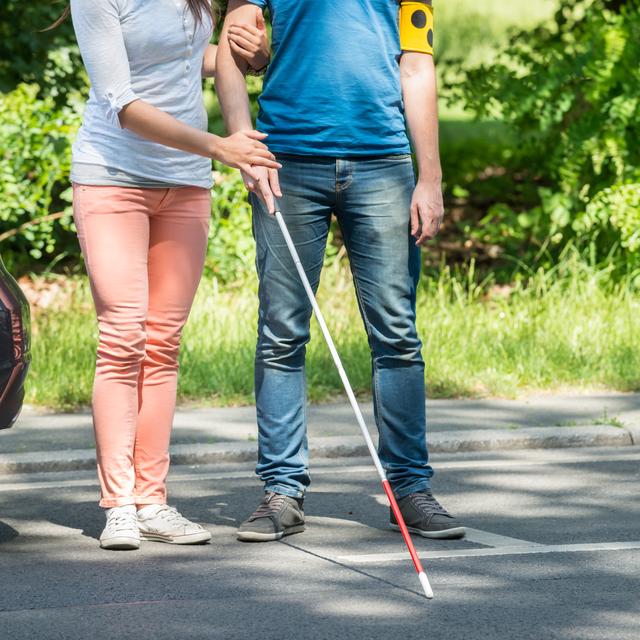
(162,523)
(121,531)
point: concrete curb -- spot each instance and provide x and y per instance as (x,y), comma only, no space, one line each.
(634,433)
(349,446)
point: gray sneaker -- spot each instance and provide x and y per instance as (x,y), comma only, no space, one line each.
(424,515)
(276,516)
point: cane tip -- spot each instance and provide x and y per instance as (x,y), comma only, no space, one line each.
(426,587)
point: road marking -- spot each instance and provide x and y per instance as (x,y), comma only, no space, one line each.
(489,539)
(529,549)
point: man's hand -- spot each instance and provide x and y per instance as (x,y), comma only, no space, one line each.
(264,183)
(427,210)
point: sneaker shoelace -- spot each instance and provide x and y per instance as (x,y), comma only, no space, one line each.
(426,502)
(120,521)
(270,505)
(172,516)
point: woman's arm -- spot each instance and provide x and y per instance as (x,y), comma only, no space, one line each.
(240,150)
(248,41)
(99,35)
(209,61)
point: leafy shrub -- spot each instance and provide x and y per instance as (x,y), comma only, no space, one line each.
(30,55)
(569,91)
(35,160)
(231,252)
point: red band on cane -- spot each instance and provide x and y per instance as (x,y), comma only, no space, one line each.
(403,527)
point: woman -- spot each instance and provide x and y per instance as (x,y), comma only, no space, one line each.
(141,176)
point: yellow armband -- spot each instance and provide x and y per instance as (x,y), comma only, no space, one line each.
(416,26)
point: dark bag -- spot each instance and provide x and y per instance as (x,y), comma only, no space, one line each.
(15,347)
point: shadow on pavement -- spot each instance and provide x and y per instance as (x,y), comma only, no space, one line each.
(61,582)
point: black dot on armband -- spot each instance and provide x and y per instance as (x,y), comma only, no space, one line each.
(430,37)
(419,19)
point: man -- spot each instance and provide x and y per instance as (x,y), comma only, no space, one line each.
(338,96)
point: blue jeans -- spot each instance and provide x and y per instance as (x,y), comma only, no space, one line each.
(371,200)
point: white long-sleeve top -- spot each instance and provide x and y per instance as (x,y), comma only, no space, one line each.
(139,49)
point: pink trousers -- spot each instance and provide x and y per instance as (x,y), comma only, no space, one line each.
(144,251)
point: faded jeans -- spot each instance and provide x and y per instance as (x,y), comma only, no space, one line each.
(371,200)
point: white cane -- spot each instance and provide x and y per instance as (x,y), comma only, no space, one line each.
(424,581)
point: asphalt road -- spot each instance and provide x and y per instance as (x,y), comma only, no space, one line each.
(553,552)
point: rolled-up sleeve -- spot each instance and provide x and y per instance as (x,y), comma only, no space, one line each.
(99,34)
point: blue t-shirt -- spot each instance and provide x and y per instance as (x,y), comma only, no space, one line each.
(333,85)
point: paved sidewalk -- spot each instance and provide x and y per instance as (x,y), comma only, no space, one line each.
(48,442)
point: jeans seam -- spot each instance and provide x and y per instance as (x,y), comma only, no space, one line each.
(304,416)
(375,385)
(265,239)
(348,178)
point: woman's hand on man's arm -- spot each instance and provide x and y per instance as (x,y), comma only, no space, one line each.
(250,42)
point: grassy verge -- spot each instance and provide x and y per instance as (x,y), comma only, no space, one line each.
(570,328)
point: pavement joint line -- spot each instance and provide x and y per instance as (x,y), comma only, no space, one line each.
(469,464)
(529,549)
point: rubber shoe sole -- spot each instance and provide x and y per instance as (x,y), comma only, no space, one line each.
(120,544)
(201,537)
(253,536)
(444,534)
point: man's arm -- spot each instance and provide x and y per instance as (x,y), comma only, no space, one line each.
(234,100)
(251,42)
(420,96)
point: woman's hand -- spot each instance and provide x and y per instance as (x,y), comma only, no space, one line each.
(251,42)
(244,151)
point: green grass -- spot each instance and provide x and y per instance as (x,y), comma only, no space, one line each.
(568,329)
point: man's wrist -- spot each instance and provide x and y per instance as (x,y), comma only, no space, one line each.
(429,177)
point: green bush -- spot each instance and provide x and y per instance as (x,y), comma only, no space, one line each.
(230,254)
(30,55)
(35,159)
(569,92)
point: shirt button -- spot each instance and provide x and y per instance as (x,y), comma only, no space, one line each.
(188,66)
